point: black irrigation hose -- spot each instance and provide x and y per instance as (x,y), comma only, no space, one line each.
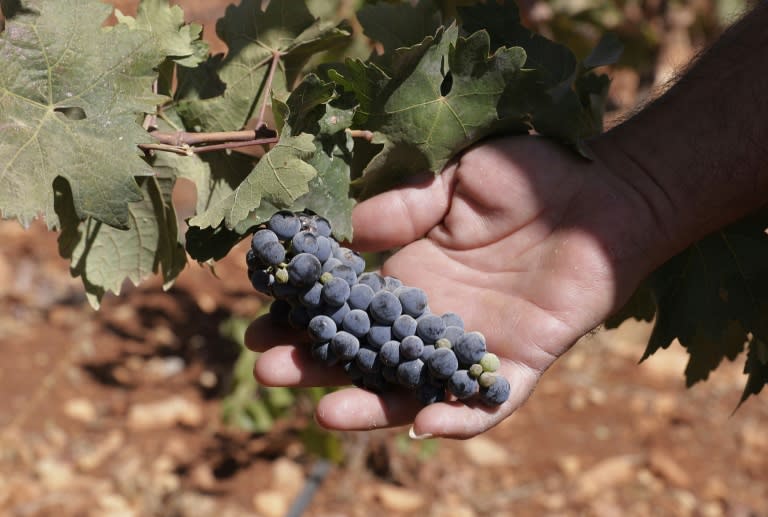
(319,472)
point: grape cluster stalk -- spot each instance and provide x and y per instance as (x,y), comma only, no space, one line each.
(381,332)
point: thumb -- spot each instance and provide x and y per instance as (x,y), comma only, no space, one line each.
(400,216)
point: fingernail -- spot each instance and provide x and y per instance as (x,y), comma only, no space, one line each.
(412,434)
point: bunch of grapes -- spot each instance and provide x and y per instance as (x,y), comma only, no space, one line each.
(378,330)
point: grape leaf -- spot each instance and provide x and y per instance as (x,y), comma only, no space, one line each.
(398,26)
(572,109)
(70,92)
(442,97)
(318,173)
(756,367)
(285,29)
(314,106)
(182,42)
(104,256)
(712,299)
(278,179)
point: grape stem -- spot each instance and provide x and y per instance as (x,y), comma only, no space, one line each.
(276,55)
(361,133)
(186,143)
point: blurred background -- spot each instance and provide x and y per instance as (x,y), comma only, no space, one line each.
(148,407)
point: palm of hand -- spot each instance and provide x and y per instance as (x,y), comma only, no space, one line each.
(516,245)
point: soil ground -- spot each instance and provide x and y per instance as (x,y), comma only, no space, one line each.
(118,413)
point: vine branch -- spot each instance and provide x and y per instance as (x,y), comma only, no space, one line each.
(187,143)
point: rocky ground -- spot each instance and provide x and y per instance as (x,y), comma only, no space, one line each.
(117,413)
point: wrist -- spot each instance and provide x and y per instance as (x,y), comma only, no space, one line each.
(650,217)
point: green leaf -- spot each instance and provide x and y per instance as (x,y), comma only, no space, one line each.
(285,29)
(104,256)
(572,105)
(181,41)
(713,299)
(71,93)
(443,96)
(310,107)
(756,367)
(398,25)
(555,63)
(280,177)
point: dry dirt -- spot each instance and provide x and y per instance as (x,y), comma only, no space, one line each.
(117,413)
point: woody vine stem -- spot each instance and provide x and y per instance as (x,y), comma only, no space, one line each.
(188,143)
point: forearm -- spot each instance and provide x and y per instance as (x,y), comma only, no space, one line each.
(699,154)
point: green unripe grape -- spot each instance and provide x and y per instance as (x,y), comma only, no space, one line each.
(490,362)
(281,275)
(486,379)
(326,277)
(475,371)
(443,343)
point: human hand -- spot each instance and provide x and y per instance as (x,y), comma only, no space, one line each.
(530,244)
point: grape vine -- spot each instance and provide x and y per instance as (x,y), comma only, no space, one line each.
(98,122)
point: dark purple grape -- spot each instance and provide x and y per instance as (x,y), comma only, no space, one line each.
(331,263)
(451,319)
(360,296)
(390,353)
(261,237)
(470,348)
(373,280)
(271,253)
(411,347)
(345,272)
(462,385)
(262,281)
(385,307)
(305,242)
(353,371)
(304,269)
(335,292)
(310,297)
(351,259)
(442,363)
(368,360)
(345,346)
(321,328)
(336,313)
(319,351)
(413,300)
(284,291)
(378,335)
(497,393)
(430,328)
(429,393)
(322,226)
(427,352)
(453,333)
(253,262)
(411,373)
(285,224)
(403,326)
(391,283)
(323,248)
(356,322)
